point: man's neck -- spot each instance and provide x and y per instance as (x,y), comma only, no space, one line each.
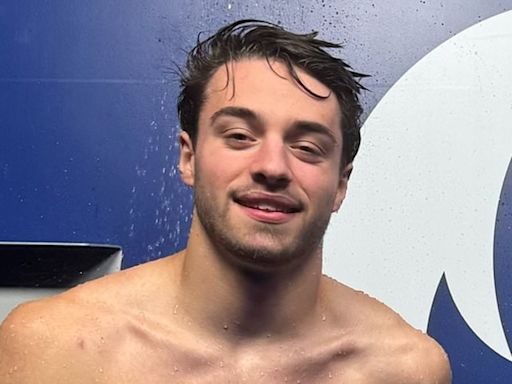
(238,303)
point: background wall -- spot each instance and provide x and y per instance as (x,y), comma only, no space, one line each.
(88,143)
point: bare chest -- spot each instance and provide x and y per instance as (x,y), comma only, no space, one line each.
(137,362)
(225,372)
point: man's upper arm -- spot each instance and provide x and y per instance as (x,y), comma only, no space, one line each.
(20,344)
(441,365)
(430,365)
(31,347)
(413,358)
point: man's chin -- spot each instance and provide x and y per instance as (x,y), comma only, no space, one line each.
(265,258)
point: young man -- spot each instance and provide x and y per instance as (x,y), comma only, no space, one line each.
(270,128)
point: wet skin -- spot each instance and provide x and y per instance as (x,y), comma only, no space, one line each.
(123,330)
(246,300)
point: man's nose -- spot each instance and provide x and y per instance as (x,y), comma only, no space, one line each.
(270,166)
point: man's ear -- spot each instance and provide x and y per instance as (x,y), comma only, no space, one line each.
(186,165)
(342,187)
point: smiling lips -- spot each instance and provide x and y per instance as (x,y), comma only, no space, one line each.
(268,208)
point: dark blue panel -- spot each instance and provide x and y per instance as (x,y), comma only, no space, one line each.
(88,126)
(503,255)
(84,40)
(473,362)
(76,164)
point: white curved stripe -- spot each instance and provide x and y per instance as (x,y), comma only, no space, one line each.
(424,193)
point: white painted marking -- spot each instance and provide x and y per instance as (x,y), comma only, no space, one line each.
(425,188)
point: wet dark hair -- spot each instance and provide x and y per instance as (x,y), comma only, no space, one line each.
(260,39)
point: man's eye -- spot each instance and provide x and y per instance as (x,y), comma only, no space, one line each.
(239,137)
(238,140)
(308,151)
(308,148)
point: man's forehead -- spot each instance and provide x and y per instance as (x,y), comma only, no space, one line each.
(257,69)
(268,83)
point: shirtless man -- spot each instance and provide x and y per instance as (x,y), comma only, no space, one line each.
(270,128)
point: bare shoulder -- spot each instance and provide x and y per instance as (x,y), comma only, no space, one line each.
(421,360)
(404,354)
(58,339)
(387,346)
(37,338)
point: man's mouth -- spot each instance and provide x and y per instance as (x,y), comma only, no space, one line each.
(265,207)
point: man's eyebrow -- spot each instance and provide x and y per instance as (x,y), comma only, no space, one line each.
(240,112)
(303,126)
(314,127)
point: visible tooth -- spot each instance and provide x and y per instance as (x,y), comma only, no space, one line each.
(267,208)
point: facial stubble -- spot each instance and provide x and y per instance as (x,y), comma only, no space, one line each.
(276,246)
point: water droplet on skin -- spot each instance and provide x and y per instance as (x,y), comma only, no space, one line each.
(221,364)
(330,375)
(175,311)
(225,327)
(100,370)
(323,317)
(176,369)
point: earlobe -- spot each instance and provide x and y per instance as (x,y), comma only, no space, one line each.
(342,187)
(186,164)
